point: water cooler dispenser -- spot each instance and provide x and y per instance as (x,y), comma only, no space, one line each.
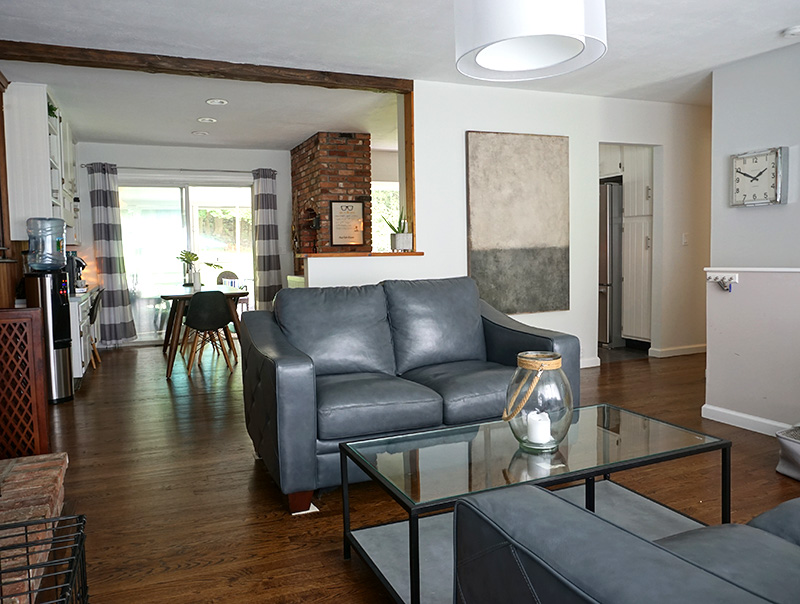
(47,287)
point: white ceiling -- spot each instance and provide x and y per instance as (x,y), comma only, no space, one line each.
(108,106)
(659,50)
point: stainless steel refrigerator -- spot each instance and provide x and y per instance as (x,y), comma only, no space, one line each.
(610,278)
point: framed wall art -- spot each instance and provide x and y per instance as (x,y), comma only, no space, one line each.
(347,223)
(518,220)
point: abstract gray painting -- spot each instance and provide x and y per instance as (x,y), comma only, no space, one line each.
(518,220)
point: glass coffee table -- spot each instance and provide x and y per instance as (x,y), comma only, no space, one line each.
(426,472)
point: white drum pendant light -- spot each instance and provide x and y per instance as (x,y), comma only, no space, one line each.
(514,40)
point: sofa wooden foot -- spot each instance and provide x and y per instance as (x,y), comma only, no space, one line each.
(300,502)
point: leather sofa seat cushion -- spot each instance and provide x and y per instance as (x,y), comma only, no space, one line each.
(471,390)
(748,557)
(357,405)
(342,329)
(435,321)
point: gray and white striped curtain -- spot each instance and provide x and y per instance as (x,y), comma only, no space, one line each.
(266,258)
(116,318)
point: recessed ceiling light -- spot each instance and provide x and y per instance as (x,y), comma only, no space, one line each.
(206,120)
(199,133)
(791,32)
(217,102)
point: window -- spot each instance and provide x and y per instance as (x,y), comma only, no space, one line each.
(385,204)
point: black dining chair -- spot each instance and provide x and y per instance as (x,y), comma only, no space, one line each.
(208,317)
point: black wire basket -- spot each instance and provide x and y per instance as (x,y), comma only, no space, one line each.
(43,561)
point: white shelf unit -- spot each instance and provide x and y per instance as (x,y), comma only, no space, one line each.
(40,160)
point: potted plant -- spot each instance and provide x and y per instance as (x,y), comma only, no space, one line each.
(191,274)
(401,240)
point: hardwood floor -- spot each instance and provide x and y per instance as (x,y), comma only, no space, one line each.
(178,510)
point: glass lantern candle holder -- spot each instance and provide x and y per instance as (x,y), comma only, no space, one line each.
(539,401)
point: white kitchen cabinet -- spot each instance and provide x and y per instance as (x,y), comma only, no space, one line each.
(611,162)
(637,281)
(79,307)
(37,159)
(637,180)
(27,155)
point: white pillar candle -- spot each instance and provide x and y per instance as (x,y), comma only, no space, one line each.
(538,427)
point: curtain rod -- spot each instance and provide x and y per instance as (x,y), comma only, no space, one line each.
(178,169)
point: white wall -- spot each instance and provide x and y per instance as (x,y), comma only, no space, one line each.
(754,331)
(384,165)
(755,106)
(195,158)
(752,377)
(681,134)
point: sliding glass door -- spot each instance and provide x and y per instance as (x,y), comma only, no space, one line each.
(159,222)
(222,232)
(153,234)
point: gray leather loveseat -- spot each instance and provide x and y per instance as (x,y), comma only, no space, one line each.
(340,364)
(524,544)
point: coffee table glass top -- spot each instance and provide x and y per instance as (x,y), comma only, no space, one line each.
(447,463)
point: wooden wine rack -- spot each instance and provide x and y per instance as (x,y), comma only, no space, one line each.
(23,394)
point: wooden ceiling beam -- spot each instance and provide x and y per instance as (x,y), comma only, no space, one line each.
(246,72)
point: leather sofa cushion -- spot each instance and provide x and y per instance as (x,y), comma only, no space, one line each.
(783,521)
(354,405)
(472,390)
(342,329)
(435,321)
(748,557)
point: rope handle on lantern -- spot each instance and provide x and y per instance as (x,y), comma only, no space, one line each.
(513,408)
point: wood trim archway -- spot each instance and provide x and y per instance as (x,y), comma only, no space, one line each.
(130,61)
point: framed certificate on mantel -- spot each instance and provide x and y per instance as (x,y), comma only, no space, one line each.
(347,223)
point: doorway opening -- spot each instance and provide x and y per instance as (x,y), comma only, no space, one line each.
(626,251)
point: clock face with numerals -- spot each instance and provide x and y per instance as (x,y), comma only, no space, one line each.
(757,177)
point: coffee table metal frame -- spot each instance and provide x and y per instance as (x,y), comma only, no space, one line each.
(415,510)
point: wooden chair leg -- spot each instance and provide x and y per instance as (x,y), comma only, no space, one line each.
(203,341)
(231,344)
(94,351)
(224,352)
(185,339)
(192,353)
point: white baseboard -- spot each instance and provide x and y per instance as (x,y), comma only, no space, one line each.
(676,351)
(590,362)
(742,420)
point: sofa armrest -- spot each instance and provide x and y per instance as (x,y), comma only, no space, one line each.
(523,540)
(279,388)
(505,338)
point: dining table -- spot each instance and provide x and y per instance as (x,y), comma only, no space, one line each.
(179,298)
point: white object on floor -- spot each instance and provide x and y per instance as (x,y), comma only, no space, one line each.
(789,461)
(310,510)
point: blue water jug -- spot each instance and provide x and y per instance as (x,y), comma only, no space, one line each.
(46,249)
